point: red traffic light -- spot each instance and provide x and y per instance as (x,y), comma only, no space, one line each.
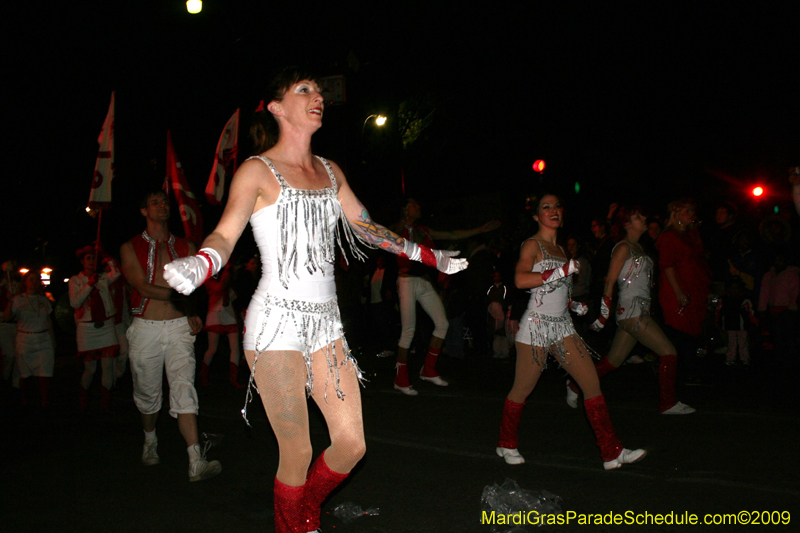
(538,166)
(757,191)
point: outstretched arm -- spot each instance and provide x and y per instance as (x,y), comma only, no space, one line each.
(381,237)
(459,234)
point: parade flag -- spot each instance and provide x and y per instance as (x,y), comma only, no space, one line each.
(187,204)
(227,148)
(100,195)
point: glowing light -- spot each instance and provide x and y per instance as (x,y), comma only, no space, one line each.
(88,209)
(23,271)
(577,187)
(66,280)
(380,120)
(776,209)
(538,166)
(47,270)
(194,6)
(758,191)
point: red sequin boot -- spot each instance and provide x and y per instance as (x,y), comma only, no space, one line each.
(289,510)
(320,482)
(597,412)
(233,373)
(204,369)
(604,366)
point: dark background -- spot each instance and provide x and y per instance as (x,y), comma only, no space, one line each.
(637,102)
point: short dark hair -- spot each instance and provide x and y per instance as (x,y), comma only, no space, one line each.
(146,197)
(264,129)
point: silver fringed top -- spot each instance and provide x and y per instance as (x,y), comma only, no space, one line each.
(636,276)
(307,232)
(550,298)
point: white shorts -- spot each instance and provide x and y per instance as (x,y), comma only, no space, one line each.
(156,345)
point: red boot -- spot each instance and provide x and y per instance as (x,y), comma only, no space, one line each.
(204,369)
(401,381)
(507,445)
(597,412)
(233,373)
(320,482)
(604,366)
(428,372)
(289,509)
(667,366)
(429,369)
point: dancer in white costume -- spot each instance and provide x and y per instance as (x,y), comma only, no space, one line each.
(293,334)
(632,270)
(546,328)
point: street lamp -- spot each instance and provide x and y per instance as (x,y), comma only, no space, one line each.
(194,6)
(380,120)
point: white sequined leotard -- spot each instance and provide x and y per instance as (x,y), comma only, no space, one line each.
(546,322)
(294,307)
(634,282)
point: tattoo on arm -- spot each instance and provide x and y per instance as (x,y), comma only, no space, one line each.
(375,234)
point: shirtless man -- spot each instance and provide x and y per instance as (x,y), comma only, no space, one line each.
(162,336)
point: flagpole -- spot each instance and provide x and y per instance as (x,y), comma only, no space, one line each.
(97,239)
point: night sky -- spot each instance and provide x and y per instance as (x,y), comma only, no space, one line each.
(640,102)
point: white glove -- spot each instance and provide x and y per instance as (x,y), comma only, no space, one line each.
(555,274)
(579,308)
(187,273)
(605,312)
(442,260)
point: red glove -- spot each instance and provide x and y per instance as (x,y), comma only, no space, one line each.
(605,312)
(555,274)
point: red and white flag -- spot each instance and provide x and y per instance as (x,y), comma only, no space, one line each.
(227,148)
(100,195)
(187,203)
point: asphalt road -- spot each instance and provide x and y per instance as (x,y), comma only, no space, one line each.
(429,457)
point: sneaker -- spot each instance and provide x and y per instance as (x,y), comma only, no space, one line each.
(625,457)
(436,380)
(511,456)
(730,363)
(202,469)
(635,359)
(679,408)
(572,396)
(408,391)
(150,453)
(386,353)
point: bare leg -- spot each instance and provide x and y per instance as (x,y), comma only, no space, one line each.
(187,425)
(233,341)
(344,418)
(213,343)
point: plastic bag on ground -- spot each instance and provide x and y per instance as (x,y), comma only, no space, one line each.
(509,499)
(349,511)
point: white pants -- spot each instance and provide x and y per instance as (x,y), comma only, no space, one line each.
(156,345)
(411,290)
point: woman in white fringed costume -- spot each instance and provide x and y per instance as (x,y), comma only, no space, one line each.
(632,271)
(546,328)
(293,341)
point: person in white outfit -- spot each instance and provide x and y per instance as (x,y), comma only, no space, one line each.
(90,296)
(293,340)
